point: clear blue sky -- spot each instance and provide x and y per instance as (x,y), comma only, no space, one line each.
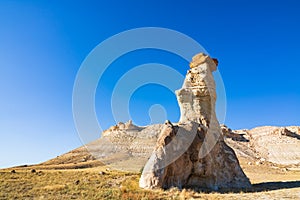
(43,43)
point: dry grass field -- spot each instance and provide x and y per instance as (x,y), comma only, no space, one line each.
(41,182)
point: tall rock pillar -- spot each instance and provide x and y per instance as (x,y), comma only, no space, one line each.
(192,153)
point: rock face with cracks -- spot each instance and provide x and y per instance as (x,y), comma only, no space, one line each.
(192,153)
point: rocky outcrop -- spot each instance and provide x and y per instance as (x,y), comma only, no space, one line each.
(192,153)
(228,133)
(127,126)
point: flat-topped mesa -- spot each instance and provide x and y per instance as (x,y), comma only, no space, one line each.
(197,96)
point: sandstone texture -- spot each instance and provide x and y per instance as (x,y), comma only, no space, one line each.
(192,153)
